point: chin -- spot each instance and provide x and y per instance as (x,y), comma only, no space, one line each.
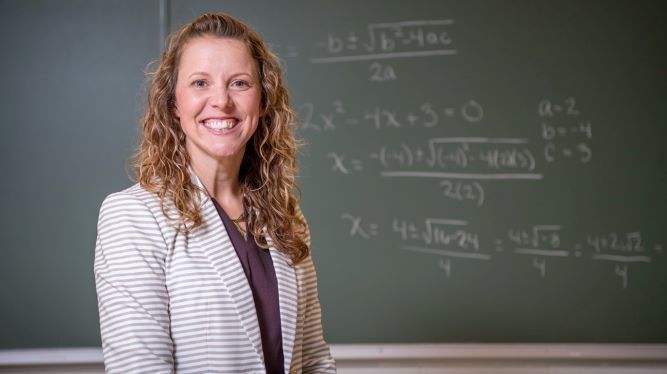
(225,152)
(212,150)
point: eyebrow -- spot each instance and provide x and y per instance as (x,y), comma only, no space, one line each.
(197,73)
(232,75)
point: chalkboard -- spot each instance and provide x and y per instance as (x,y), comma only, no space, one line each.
(480,171)
(72,75)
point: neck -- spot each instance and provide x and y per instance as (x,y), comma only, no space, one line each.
(221,180)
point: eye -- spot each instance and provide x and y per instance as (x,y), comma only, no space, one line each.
(240,83)
(199,83)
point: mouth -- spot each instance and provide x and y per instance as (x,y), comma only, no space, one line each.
(220,125)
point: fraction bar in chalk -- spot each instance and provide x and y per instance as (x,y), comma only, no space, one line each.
(413,23)
(542,252)
(443,175)
(621,258)
(379,56)
(480,140)
(448,253)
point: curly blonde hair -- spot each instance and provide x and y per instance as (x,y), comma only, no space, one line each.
(269,166)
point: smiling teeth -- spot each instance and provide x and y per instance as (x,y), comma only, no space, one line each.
(220,125)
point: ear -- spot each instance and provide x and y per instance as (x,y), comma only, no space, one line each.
(175,111)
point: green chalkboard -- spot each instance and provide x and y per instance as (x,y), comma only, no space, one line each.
(479,171)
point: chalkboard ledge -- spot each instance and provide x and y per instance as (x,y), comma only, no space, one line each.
(51,356)
(653,353)
(405,353)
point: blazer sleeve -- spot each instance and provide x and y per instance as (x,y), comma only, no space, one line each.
(316,353)
(131,291)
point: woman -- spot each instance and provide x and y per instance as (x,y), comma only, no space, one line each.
(204,265)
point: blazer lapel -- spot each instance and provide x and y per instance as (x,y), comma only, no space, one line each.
(212,238)
(288,299)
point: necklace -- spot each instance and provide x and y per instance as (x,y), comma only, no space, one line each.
(239,225)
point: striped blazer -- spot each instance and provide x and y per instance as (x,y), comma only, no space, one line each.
(174,302)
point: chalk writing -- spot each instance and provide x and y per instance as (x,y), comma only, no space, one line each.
(340,165)
(461,147)
(405,39)
(471,160)
(426,115)
(564,130)
(381,73)
(356,228)
(463,191)
(460,153)
(451,239)
(621,242)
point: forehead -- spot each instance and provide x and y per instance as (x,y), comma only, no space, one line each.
(214,54)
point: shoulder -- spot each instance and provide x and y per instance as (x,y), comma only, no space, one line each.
(131,196)
(131,204)
(129,199)
(133,218)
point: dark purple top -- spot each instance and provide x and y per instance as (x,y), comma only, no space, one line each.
(258,268)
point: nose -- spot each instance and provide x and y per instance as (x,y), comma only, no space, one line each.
(221,99)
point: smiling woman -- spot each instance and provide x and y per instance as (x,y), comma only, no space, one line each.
(204,265)
(217,99)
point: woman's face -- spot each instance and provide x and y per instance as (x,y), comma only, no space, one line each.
(218,98)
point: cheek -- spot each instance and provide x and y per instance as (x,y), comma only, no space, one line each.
(185,104)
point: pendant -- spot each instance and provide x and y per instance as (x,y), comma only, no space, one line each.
(240,228)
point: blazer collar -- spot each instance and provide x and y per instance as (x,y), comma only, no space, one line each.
(212,237)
